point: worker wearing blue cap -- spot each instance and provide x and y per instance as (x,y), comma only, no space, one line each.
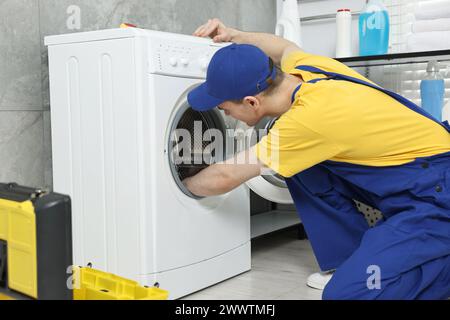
(339,138)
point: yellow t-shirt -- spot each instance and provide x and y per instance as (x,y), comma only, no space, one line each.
(346,122)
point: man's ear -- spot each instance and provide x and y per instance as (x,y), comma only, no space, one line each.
(252,102)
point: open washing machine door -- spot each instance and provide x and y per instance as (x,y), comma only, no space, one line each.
(271,187)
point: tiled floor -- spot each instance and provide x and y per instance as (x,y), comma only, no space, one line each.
(280,265)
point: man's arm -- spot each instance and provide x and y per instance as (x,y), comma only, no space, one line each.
(274,46)
(225,176)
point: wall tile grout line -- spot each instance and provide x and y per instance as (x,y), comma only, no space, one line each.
(41,44)
(18,109)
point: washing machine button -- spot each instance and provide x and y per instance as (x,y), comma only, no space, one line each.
(184,62)
(173,61)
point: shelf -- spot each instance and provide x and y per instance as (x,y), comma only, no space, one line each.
(396,59)
(271,221)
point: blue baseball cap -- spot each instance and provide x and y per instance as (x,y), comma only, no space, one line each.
(236,71)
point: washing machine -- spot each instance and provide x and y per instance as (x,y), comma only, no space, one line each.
(118,98)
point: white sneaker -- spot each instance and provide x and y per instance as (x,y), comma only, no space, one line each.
(319,280)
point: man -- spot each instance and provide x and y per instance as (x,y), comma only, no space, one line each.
(339,138)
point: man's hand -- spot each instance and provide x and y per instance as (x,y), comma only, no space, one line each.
(275,47)
(223,177)
(216,30)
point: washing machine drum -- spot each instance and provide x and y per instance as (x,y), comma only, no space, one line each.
(196,142)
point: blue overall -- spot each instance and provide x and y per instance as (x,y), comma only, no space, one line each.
(407,254)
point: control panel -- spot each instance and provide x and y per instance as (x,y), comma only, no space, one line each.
(181,58)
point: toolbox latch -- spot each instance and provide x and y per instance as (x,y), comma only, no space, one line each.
(14,192)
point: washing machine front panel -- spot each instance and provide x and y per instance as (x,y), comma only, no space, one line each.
(187,230)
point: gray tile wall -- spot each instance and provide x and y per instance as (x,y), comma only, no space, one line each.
(25,138)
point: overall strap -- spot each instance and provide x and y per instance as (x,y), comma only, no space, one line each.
(295,92)
(337,76)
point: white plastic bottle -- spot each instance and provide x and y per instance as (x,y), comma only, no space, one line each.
(343,33)
(446,112)
(288,25)
(446,108)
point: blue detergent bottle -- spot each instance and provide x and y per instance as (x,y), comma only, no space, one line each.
(374,29)
(432,91)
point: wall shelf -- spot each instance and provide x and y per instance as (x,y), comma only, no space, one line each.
(396,59)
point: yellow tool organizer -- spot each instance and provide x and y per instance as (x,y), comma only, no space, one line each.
(91,284)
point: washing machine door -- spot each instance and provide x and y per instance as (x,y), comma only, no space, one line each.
(200,128)
(271,187)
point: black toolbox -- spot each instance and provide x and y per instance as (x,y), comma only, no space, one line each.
(35,243)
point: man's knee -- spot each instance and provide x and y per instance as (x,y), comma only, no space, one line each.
(405,286)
